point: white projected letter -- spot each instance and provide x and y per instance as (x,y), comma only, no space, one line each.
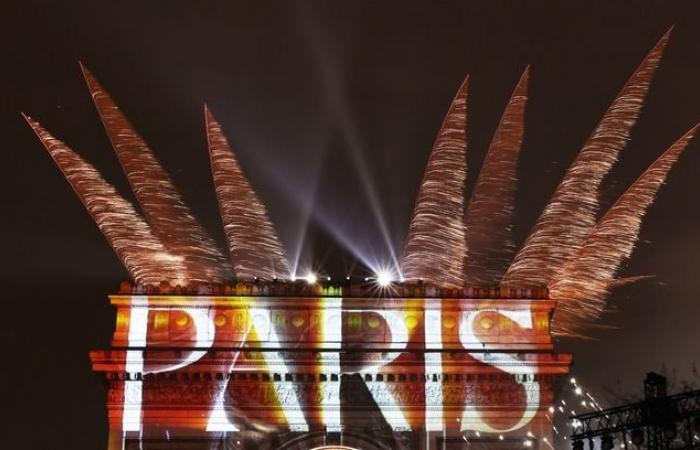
(433,361)
(332,336)
(137,337)
(524,374)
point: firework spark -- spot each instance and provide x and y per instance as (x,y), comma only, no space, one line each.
(582,284)
(253,243)
(143,255)
(571,213)
(489,247)
(160,201)
(567,250)
(436,239)
(624,281)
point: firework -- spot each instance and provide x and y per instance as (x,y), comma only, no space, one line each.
(567,250)
(166,212)
(436,240)
(571,212)
(143,255)
(582,284)
(489,244)
(253,243)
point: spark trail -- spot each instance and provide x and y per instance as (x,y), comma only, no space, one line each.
(254,245)
(582,284)
(436,240)
(571,213)
(141,253)
(166,212)
(489,242)
(567,250)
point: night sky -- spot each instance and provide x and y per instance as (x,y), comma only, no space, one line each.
(326,103)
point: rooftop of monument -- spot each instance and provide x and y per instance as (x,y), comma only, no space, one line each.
(328,288)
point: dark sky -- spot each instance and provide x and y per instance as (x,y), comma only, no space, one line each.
(305,90)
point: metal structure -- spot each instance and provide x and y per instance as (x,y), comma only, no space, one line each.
(659,422)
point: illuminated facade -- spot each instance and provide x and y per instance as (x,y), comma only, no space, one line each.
(247,368)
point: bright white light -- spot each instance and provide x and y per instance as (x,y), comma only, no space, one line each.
(384,278)
(294,278)
(311,278)
(578,391)
(527,443)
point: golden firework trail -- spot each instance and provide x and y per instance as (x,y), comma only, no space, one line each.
(582,284)
(161,203)
(146,259)
(571,213)
(435,245)
(489,218)
(253,244)
(568,250)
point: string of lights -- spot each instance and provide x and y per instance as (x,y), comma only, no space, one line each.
(575,396)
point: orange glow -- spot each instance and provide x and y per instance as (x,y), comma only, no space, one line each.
(297,321)
(411,322)
(182,320)
(486,323)
(449,322)
(220,320)
(160,320)
(373,322)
